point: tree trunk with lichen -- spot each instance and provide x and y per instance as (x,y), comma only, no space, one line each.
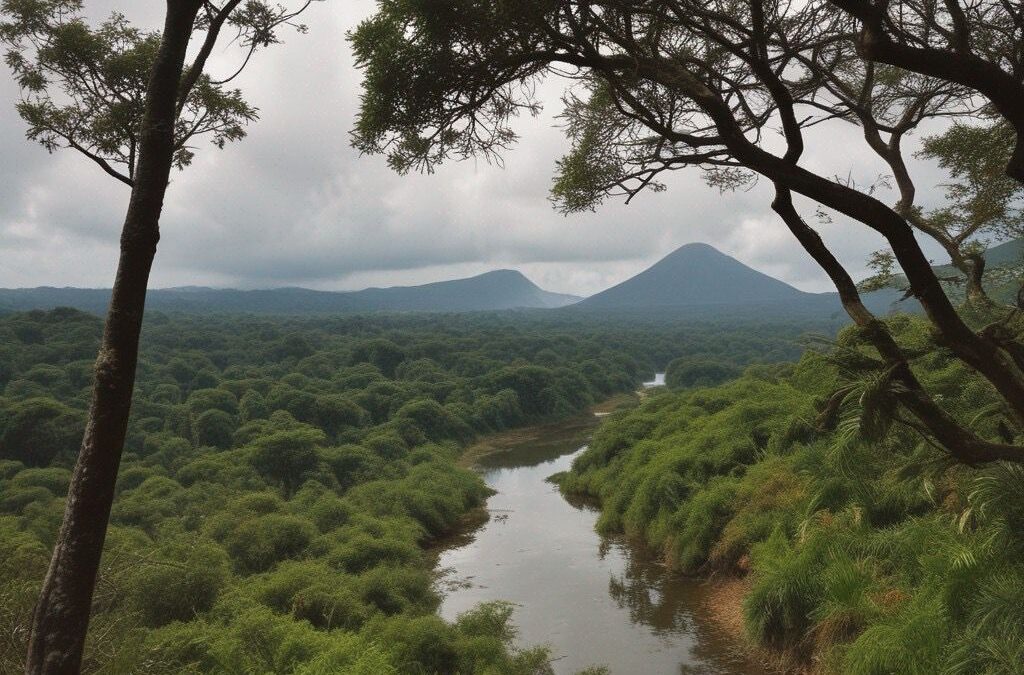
(61,617)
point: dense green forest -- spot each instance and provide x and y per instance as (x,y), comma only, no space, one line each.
(282,476)
(867,549)
(276,483)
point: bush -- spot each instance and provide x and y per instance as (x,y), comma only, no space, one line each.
(787,587)
(54,479)
(257,544)
(285,456)
(182,580)
(359,551)
(39,430)
(214,428)
(201,400)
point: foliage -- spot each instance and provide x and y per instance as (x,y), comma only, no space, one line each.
(866,548)
(282,476)
(84,87)
(696,372)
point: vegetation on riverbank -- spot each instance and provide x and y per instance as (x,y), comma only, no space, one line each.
(282,478)
(868,551)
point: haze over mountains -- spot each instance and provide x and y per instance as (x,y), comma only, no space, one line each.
(696,278)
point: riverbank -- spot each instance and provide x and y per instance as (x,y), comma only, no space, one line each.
(723,607)
(859,554)
(566,434)
(593,600)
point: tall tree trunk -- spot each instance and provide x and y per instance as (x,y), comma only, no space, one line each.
(61,617)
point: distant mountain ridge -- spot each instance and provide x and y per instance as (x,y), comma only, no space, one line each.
(497,290)
(1009,255)
(694,280)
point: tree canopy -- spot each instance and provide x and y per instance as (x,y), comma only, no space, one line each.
(663,86)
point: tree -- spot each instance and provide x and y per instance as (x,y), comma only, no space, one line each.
(284,457)
(384,354)
(335,413)
(202,400)
(982,207)
(37,430)
(214,427)
(889,104)
(660,87)
(976,45)
(125,99)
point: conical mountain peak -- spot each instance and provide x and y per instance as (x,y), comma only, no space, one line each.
(696,274)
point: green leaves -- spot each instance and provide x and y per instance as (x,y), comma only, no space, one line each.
(84,87)
(983,200)
(443,80)
(284,456)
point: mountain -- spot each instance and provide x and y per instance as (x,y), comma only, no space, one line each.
(497,290)
(700,278)
(501,289)
(695,275)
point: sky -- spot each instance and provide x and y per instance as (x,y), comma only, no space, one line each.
(294,205)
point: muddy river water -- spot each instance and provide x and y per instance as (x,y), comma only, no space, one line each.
(594,600)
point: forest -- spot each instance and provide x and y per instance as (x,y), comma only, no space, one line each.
(283,477)
(236,492)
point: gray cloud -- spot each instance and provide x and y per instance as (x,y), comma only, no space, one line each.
(293,204)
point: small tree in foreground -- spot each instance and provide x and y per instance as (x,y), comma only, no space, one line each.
(127,100)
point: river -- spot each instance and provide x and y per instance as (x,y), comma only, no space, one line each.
(594,600)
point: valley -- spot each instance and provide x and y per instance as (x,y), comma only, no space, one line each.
(512,338)
(286,479)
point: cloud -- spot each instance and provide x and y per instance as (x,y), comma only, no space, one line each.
(294,204)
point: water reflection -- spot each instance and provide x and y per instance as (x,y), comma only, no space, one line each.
(650,595)
(593,600)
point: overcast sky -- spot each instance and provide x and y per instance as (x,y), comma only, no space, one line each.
(294,205)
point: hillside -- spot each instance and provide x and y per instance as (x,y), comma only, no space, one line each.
(1001,287)
(696,280)
(696,274)
(497,290)
(829,546)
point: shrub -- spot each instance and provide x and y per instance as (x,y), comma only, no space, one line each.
(201,400)
(214,428)
(787,587)
(283,457)
(178,581)
(687,372)
(258,543)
